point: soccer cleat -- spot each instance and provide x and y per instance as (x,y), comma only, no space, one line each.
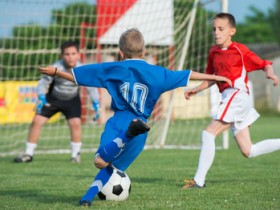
(25,158)
(136,127)
(85,203)
(76,159)
(191,184)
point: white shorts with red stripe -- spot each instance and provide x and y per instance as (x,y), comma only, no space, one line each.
(236,108)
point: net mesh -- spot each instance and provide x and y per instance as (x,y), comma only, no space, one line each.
(32,31)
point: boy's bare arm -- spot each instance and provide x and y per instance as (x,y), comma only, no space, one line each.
(270,74)
(53,71)
(204,85)
(212,77)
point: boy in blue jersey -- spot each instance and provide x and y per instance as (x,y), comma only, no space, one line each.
(135,86)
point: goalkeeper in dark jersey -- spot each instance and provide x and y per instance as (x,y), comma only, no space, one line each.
(56,94)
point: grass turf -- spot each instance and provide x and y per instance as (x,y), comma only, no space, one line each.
(233,182)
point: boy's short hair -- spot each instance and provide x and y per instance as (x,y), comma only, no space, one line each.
(68,44)
(228,16)
(132,43)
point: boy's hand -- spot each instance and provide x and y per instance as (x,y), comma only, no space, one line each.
(224,79)
(189,93)
(270,74)
(48,70)
(274,78)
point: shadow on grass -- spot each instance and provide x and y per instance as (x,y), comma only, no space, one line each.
(41,197)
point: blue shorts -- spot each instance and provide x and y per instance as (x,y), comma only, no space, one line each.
(119,122)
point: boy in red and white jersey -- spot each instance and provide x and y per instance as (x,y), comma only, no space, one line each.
(232,60)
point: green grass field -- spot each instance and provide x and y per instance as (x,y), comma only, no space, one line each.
(234,182)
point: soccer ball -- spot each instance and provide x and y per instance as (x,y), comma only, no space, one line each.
(117,188)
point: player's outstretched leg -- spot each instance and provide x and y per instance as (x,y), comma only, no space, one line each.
(206,158)
(100,180)
(113,149)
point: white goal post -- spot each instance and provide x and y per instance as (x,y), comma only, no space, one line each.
(178,36)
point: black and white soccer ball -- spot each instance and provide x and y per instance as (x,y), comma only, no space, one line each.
(117,188)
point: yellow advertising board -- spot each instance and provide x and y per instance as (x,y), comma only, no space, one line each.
(17,102)
(197,107)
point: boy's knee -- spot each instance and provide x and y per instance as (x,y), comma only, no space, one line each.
(99,162)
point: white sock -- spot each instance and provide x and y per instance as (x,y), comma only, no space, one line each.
(30,148)
(264,147)
(206,157)
(75,148)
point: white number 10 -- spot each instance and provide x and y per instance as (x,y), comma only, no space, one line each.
(139,95)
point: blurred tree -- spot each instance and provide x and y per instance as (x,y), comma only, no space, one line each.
(201,36)
(29,38)
(274,20)
(33,40)
(256,28)
(67,22)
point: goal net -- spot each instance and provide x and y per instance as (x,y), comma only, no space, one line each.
(177,35)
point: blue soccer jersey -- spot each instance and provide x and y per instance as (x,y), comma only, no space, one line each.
(134,85)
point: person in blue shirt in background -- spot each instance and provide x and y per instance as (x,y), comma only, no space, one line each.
(56,94)
(135,86)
